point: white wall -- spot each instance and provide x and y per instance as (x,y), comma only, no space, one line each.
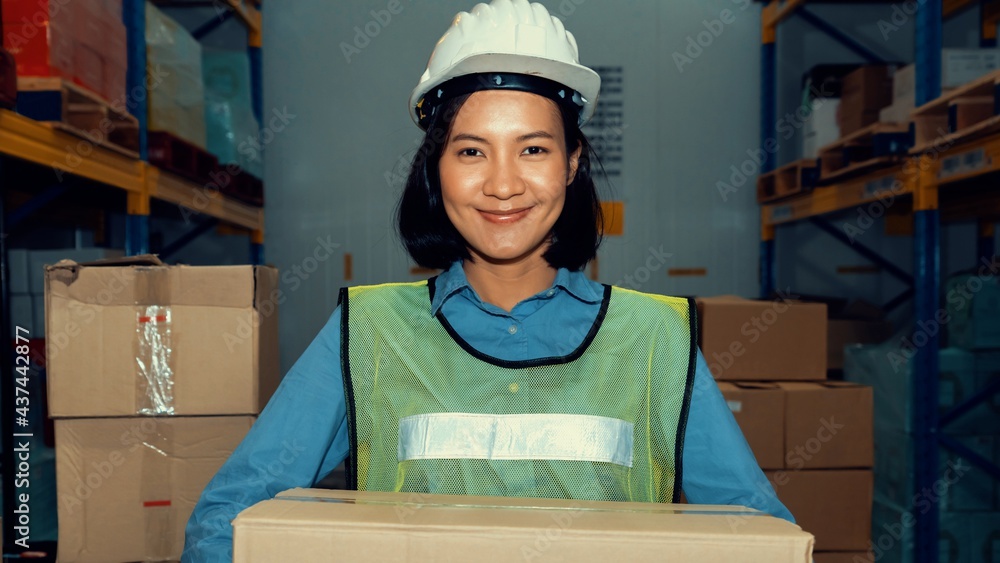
(682,132)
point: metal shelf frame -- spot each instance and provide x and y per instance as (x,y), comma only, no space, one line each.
(920,183)
(137,220)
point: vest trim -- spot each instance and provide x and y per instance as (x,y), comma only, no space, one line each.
(686,405)
(516,364)
(570,437)
(350,465)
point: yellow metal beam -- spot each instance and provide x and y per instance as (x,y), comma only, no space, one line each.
(29,140)
(951,7)
(777,12)
(881,185)
(251,18)
(174,189)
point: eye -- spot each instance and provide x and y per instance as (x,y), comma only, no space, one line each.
(535,150)
(469,152)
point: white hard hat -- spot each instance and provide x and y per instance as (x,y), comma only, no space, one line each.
(506,44)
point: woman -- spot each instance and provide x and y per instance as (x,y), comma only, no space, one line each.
(510,373)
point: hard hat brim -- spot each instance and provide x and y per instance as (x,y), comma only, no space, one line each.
(578,77)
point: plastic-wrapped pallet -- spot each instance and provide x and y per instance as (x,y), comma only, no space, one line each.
(231,126)
(80,41)
(888,369)
(176,92)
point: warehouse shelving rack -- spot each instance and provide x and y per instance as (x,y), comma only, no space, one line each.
(25,140)
(925,180)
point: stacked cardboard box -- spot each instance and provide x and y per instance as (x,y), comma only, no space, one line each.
(811,436)
(865,92)
(155,375)
(176,87)
(27,282)
(958,67)
(967,500)
(80,41)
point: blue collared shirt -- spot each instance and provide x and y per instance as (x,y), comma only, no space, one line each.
(301,435)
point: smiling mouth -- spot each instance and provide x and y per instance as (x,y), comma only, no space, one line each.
(505,217)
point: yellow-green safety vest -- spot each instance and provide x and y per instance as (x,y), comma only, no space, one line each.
(429,413)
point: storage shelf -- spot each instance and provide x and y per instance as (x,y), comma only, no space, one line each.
(837,197)
(247,11)
(956,164)
(41,144)
(787,8)
(168,187)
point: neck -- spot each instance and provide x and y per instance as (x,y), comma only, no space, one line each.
(507,284)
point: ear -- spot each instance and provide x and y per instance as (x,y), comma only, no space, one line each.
(574,163)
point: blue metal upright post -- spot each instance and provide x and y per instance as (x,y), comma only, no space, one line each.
(256,254)
(136,234)
(986,245)
(768,131)
(927,284)
(256,53)
(134,16)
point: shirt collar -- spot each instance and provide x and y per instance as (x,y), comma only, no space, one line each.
(453,280)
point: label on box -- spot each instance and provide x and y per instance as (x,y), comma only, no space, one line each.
(875,187)
(735,406)
(964,163)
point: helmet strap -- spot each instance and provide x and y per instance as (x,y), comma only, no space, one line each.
(434,100)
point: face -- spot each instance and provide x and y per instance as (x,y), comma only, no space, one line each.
(504,172)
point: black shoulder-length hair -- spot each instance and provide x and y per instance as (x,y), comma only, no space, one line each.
(434,242)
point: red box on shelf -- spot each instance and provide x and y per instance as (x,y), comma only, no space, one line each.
(40,35)
(80,41)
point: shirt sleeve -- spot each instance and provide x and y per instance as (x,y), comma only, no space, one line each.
(298,439)
(718,466)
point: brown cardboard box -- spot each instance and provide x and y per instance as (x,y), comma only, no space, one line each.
(841,332)
(749,340)
(828,425)
(869,88)
(127,486)
(143,338)
(310,524)
(833,505)
(843,557)
(759,409)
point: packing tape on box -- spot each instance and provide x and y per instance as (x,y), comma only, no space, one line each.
(157,488)
(749,512)
(154,390)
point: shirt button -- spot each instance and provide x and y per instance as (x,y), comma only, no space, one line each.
(512,329)
(551,292)
(513,387)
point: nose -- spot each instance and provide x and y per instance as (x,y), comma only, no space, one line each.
(504,180)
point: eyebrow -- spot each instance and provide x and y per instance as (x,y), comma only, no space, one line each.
(526,137)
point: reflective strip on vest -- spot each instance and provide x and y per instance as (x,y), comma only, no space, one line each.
(572,437)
